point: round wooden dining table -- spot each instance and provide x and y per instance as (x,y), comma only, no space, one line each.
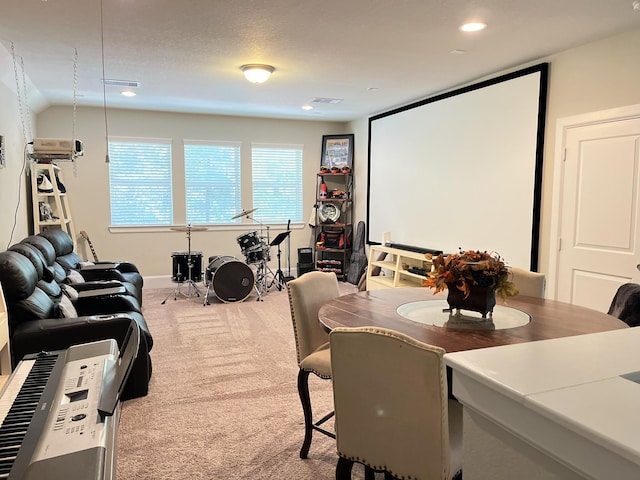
(546,319)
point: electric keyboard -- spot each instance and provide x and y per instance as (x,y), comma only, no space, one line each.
(56,422)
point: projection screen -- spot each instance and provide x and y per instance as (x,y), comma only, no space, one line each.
(462,169)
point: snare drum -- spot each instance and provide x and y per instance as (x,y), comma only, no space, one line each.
(231,280)
(257,254)
(181,266)
(248,240)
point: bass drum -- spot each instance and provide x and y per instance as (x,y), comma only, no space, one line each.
(231,280)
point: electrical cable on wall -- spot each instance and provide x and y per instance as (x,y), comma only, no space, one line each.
(104,86)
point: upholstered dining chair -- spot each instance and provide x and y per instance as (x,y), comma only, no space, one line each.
(307,294)
(626,304)
(392,411)
(531,284)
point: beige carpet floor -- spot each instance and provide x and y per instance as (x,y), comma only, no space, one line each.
(223,402)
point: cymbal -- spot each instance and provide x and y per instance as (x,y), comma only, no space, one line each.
(243,213)
(188,228)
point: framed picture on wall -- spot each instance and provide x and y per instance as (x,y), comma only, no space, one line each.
(337,151)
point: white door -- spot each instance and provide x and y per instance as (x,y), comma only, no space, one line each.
(598,226)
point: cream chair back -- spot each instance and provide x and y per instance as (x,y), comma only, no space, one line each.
(307,294)
(5,350)
(391,405)
(531,284)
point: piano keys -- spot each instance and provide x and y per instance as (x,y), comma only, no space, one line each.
(59,412)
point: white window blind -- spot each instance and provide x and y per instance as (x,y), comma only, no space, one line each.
(277,182)
(212,181)
(140,182)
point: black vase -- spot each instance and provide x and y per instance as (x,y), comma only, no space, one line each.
(480,299)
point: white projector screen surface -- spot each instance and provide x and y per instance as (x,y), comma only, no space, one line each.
(462,170)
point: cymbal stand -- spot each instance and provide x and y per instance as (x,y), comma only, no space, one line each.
(192,288)
(263,269)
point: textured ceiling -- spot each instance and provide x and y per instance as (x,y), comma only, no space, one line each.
(186,54)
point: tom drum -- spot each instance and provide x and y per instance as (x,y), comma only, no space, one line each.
(181,266)
(257,254)
(248,240)
(231,280)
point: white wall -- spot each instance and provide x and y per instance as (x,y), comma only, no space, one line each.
(596,76)
(87,180)
(14,223)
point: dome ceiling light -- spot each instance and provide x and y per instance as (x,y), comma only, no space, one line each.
(473,27)
(257,73)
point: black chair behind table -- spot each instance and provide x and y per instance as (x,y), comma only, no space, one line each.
(626,304)
(42,318)
(70,261)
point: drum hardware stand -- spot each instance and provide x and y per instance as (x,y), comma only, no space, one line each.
(192,288)
(279,277)
(261,281)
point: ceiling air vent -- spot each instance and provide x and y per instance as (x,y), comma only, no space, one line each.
(111,82)
(330,101)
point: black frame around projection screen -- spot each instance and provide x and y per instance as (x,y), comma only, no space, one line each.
(462,169)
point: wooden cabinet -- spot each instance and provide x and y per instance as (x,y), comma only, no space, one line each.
(333,222)
(49,198)
(397,268)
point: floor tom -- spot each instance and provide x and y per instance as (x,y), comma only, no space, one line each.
(181,266)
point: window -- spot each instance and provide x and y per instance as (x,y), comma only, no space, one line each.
(277,182)
(140,182)
(212,181)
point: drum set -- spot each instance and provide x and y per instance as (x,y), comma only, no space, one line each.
(230,279)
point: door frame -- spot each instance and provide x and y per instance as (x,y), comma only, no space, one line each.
(563,125)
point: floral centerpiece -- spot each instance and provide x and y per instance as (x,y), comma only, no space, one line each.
(473,278)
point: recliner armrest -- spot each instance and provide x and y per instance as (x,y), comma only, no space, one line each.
(101,292)
(100,303)
(95,285)
(99,266)
(60,333)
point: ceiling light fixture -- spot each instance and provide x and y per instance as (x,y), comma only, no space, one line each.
(473,27)
(257,73)
(128,93)
(307,107)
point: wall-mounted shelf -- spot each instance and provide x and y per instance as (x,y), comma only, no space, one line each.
(50,208)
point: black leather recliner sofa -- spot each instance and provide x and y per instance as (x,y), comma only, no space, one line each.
(69,260)
(38,322)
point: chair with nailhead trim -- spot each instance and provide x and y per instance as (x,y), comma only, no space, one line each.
(307,294)
(392,412)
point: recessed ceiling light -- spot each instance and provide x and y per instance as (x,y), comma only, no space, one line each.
(473,27)
(128,93)
(307,107)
